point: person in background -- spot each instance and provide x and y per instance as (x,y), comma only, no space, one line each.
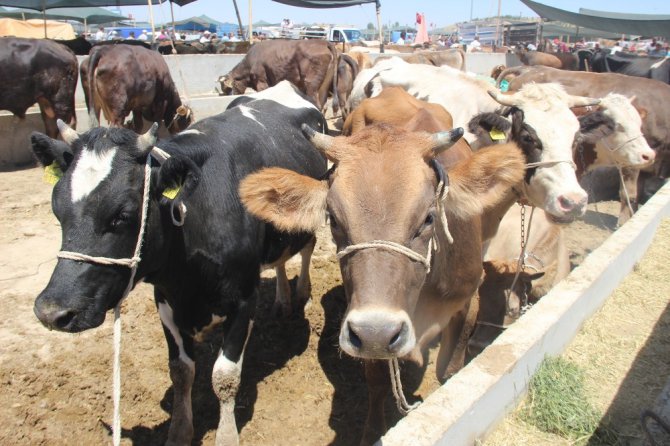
(100,35)
(531,47)
(401,39)
(233,38)
(162,35)
(131,35)
(144,37)
(651,45)
(206,37)
(475,45)
(658,50)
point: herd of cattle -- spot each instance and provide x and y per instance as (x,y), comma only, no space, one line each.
(419,195)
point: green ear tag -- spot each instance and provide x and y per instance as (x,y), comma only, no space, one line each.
(52,174)
(171,192)
(496,134)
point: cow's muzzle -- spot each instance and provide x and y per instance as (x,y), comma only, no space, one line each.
(377,334)
(65,317)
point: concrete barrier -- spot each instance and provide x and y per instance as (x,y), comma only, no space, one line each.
(471,403)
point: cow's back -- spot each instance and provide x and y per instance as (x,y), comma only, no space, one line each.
(31,69)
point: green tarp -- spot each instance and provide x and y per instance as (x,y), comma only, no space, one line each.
(92,16)
(630,24)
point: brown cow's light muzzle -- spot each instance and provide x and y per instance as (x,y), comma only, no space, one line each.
(377,334)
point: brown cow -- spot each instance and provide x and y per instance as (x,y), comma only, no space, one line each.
(387,217)
(119,79)
(362,59)
(308,64)
(347,70)
(651,100)
(533,58)
(42,71)
(395,106)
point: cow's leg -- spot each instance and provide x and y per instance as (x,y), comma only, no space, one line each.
(48,116)
(628,190)
(304,287)
(182,373)
(450,336)
(228,369)
(377,376)
(138,122)
(282,304)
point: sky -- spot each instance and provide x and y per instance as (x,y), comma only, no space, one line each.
(438,12)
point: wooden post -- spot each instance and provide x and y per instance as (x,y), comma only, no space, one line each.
(251,35)
(151,18)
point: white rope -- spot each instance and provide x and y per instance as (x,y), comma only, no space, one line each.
(391,246)
(396,385)
(491,324)
(604,140)
(551,163)
(132,264)
(625,191)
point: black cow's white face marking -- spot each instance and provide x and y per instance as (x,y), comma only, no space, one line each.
(90,170)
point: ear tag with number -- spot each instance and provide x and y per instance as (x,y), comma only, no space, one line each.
(52,174)
(497,134)
(171,192)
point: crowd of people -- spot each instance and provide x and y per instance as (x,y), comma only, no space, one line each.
(164,34)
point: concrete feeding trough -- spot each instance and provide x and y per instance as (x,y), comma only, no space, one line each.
(474,400)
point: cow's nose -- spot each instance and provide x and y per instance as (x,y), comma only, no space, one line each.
(55,319)
(376,336)
(573,203)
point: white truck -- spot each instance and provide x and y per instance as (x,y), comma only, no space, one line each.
(345,34)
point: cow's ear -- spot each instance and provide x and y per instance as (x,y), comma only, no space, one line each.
(290,201)
(595,126)
(488,121)
(177,179)
(642,111)
(483,180)
(49,150)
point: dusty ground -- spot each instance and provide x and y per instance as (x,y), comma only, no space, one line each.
(624,351)
(297,389)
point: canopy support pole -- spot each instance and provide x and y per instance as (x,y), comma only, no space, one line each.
(44,16)
(151,19)
(237,12)
(379,26)
(251,36)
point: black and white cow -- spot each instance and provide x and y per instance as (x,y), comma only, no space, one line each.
(203,272)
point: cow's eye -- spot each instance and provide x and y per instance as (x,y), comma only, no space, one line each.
(428,222)
(119,220)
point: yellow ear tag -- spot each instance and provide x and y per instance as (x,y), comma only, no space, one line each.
(171,192)
(52,174)
(496,134)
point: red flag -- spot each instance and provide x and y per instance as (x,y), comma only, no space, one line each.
(418,18)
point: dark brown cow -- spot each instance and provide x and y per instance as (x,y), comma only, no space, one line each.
(651,100)
(42,71)
(387,218)
(120,79)
(533,58)
(347,70)
(308,64)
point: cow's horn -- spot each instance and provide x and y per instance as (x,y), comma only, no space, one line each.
(323,143)
(67,132)
(147,140)
(443,140)
(182,110)
(503,99)
(581,101)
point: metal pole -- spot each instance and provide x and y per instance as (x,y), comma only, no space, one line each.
(151,18)
(44,15)
(251,35)
(237,12)
(379,26)
(498,24)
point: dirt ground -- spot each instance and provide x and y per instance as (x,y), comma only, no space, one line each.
(297,388)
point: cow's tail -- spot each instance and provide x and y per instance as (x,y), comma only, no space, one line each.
(354,72)
(336,66)
(93,61)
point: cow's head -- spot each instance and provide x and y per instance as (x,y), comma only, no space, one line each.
(615,130)
(182,118)
(233,85)
(98,202)
(383,187)
(541,123)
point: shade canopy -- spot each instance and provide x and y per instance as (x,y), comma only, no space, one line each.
(199,23)
(89,15)
(324,3)
(635,24)
(43,5)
